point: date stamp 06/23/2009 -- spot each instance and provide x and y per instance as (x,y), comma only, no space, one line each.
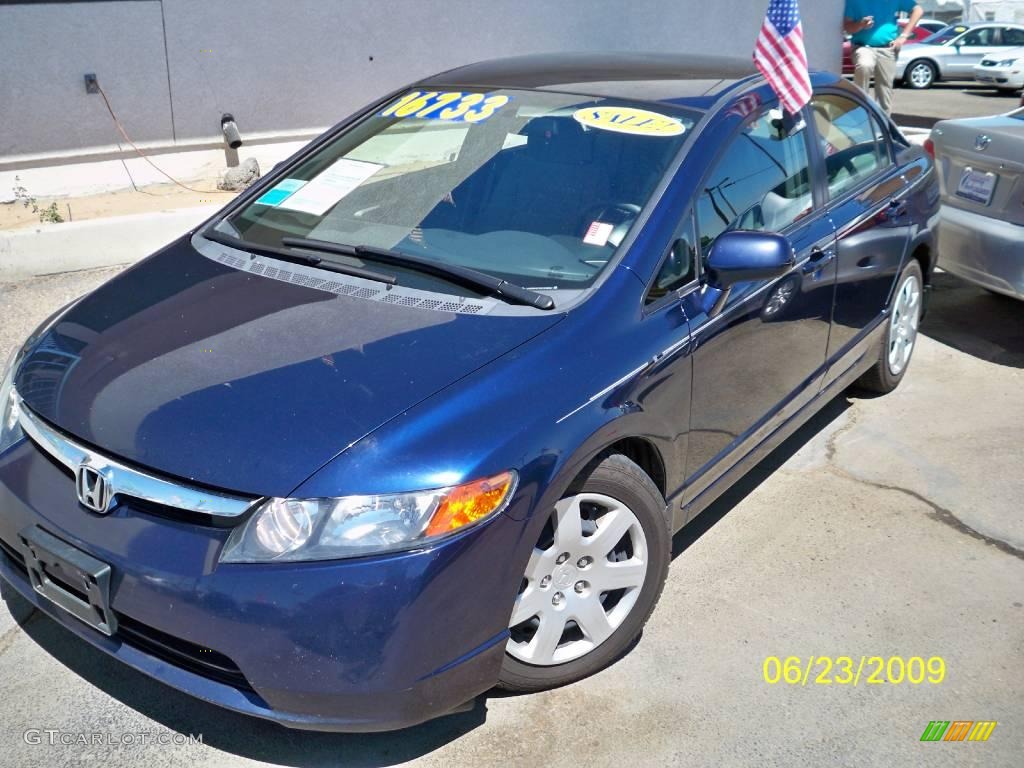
(854,670)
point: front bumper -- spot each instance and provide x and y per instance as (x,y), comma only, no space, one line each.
(1001,77)
(982,250)
(353,645)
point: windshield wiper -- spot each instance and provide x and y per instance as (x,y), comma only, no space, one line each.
(300,258)
(473,278)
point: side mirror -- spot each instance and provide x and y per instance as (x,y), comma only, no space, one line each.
(740,257)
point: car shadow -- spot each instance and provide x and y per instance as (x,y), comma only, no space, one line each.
(239,734)
(973,320)
(747,484)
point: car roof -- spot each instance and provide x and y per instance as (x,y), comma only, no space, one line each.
(678,78)
(987,23)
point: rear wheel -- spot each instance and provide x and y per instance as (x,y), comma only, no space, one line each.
(898,342)
(592,580)
(920,74)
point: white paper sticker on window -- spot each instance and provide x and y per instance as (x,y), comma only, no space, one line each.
(598,233)
(324,191)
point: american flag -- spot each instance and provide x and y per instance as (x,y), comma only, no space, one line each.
(781,57)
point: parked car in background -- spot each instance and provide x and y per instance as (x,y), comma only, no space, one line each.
(933,25)
(419,412)
(919,33)
(953,53)
(981,172)
(1004,70)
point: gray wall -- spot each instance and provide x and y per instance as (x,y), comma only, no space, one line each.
(171,67)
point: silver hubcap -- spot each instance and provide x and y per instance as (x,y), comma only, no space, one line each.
(779,299)
(906,313)
(921,74)
(583,579)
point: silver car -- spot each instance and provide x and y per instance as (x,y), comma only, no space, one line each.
(980,161)
(953,53)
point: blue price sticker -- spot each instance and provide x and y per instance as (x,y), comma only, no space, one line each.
(451,106)
(281,192)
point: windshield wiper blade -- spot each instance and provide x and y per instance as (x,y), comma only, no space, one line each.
(300,258)
(474,278)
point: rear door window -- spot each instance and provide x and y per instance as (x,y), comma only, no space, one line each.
(1013,36)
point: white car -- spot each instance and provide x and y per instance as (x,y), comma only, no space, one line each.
(1004,70)
(980,161)
(953,53)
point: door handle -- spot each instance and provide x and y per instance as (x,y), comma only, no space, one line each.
(898,207)
(818,259)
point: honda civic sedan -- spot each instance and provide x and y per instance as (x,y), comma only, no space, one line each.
(419,414)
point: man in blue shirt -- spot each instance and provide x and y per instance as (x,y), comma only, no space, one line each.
(877,40)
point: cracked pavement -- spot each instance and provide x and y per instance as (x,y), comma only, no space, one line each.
(887,526)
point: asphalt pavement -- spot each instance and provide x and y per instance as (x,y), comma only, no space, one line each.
(887,526)
(922,109)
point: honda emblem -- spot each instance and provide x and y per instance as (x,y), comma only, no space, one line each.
(93,489)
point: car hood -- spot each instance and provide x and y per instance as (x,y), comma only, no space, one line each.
(912,49)
(242,382)
(1004,55)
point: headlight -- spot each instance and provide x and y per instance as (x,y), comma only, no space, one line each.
(10,429)
(1006,63)
(350,526)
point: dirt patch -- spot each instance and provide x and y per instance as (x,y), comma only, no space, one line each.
(156,197)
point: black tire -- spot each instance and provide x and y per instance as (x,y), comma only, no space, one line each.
(621,479)
(20,608)
(880,378)
(922,84)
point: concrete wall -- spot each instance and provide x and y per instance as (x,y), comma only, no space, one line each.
(171,67)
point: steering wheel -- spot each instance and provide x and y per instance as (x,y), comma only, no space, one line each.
(620,215)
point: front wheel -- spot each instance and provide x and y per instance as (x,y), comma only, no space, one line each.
(920,74)
(900,336)
(592,580)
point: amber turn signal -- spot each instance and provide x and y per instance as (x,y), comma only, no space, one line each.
(466,504)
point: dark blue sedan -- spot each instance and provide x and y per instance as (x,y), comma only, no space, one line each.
(419,414)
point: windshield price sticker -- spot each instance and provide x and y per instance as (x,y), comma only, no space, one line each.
(640,122)
(324,191)
(453,107)
(280,192)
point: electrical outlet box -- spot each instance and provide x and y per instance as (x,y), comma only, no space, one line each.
(91,84)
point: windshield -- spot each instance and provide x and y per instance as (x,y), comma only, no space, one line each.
(945,35)
(534,188)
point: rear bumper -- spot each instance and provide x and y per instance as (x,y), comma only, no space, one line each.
(982,250)
(357,645)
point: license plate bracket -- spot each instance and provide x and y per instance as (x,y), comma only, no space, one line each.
(977,186)
(69,578)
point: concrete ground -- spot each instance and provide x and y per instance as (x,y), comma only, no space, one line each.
(886,527)
(944,101)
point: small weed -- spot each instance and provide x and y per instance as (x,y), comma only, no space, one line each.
(47,215)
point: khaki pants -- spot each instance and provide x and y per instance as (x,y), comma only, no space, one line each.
(879,63)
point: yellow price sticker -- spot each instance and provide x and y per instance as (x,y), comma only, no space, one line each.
(451,106)
(640,122)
